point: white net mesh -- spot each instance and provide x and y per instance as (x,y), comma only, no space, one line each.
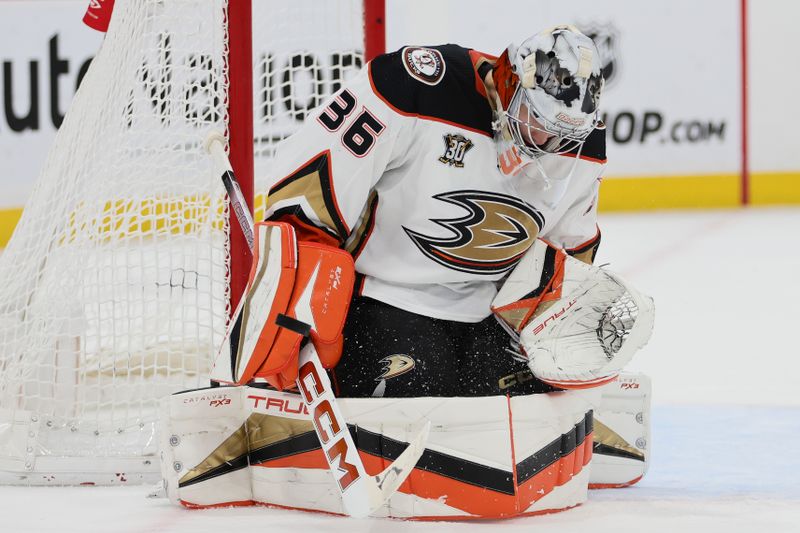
(115,284)
(321,45)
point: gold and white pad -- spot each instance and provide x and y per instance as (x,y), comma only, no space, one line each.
(490,457)
(622,432)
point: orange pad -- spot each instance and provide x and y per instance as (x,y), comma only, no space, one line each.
(268,293)
(320,298)
(518,313)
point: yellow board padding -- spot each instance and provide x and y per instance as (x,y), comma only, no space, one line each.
(701,191)
(118,219)
(8,221)
(259,206)
(125,218)
(670,192)
(771,188)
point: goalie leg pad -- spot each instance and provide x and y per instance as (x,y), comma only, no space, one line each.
(488,457)
(622,432)
(266,297)
(195,428)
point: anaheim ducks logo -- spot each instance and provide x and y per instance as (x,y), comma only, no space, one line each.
(425,64)
(395,365)
(490,239)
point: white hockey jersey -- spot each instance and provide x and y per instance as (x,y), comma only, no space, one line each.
(400,168)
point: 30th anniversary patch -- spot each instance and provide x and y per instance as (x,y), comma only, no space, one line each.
(424,64)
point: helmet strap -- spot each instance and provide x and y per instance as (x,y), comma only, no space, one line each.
(497,80)
(505,80)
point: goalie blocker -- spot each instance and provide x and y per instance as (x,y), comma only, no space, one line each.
(295,290)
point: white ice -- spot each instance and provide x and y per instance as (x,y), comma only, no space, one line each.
(725,365)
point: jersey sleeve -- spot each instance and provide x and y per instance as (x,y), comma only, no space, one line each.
(323,175)
(577,231)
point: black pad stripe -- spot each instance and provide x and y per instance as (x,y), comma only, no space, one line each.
(293,324)
(225,468)
(558,448)
(450,466)
(604,449)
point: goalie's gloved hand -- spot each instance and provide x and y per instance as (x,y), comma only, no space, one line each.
(579,325)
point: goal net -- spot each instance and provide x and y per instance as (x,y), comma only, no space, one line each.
(116,286)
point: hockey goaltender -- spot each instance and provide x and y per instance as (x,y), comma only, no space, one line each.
(423,334)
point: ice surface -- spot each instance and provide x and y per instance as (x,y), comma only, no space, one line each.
(725,364)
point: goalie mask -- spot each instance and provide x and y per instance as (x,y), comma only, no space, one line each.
(548,91)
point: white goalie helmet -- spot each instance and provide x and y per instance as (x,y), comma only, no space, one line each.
(547,93)
(558,92)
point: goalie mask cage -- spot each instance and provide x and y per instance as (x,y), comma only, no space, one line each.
(119,280)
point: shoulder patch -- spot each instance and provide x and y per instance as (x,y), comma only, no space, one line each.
(424,64)
(432,82)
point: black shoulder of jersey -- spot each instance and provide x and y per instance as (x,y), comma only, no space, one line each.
(595,145)
(444,92)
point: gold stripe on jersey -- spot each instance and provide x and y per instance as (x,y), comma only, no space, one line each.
(312,182)
(366,222)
